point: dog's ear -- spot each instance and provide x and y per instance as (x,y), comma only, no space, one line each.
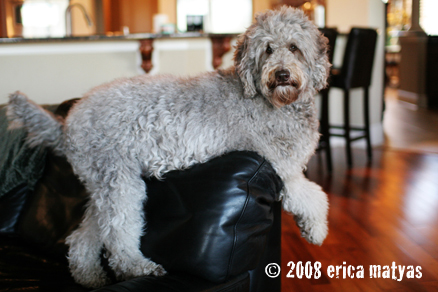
(321,66)
(244,63)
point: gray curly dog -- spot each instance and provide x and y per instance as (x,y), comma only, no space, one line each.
(149,125)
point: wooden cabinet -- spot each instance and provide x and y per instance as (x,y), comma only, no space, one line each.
(135,14)
(3,31)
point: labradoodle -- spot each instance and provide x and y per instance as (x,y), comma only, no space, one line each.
(149,125)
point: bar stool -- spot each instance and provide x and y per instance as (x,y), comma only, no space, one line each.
(355,73)
(324,142)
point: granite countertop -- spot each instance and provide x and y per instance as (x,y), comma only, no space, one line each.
(136,36)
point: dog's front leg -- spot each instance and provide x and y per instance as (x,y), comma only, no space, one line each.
(309,204)
(121,222)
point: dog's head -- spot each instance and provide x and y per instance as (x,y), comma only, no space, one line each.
(280,55)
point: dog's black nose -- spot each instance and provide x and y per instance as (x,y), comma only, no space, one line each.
(282,76)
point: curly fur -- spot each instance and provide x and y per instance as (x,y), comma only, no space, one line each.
(147,126)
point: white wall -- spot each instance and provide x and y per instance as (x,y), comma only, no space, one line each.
(345,14)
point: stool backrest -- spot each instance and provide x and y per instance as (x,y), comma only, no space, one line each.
(358,60)
(331,34)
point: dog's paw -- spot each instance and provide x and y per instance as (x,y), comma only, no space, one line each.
(139,268)
(91,279)
(159,271)
(148,267)
(313,231)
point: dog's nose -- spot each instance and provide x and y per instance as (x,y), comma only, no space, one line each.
(282,76)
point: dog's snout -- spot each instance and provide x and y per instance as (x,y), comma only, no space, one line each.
(282,76)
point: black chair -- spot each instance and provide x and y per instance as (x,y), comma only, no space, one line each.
(356,72)
(324,143)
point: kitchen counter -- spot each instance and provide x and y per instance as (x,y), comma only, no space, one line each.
(136,36)
(220,43)
(51,70)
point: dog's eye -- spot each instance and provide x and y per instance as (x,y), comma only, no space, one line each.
(269,50)
(293,48)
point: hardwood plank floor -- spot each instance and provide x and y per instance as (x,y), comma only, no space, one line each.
(380,213)
(409,127)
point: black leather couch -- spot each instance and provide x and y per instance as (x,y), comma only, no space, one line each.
(214,227)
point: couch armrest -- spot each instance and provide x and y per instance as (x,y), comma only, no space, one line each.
(213,219)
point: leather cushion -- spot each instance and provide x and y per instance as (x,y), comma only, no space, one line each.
(11,206)
(19,164)
(211,220)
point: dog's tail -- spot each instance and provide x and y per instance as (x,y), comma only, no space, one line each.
(43,127)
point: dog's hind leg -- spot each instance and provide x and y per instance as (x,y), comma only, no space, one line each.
(84,252)
(121,222)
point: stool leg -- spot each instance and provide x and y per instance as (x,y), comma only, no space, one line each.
(325,128)
(347,127)
(367,122)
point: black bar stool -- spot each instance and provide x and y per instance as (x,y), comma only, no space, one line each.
(324,142)
(356,72)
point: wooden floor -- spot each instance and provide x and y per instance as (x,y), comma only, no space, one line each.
(408,127)
(380,213)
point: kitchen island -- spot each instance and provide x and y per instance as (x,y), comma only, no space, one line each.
(51,70)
